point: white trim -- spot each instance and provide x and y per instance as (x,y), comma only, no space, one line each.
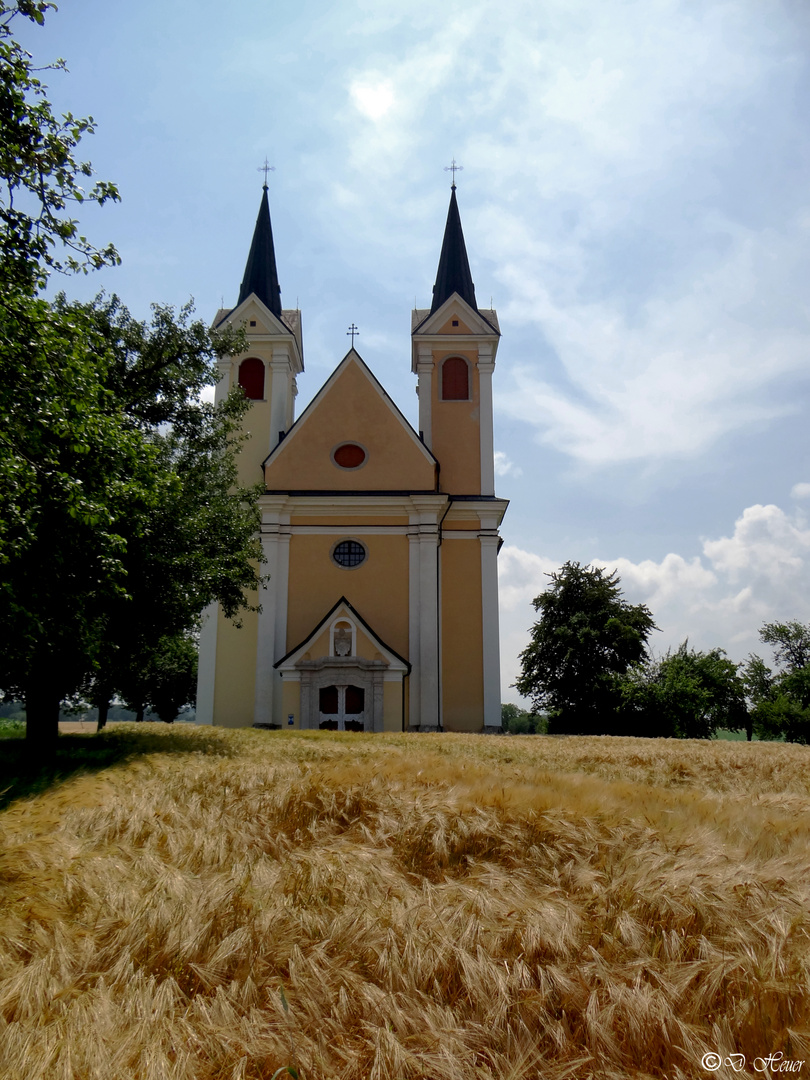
(486,366)
(454,304)
(207,665)
(491,635)
(346,503)
(424,389)
(342,613)
(414,624)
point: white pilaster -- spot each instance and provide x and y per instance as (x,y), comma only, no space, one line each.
(486,366)
(414,625)
(424,371)
(489,604)
(280,375)
(207,665)
(280,636)
(272,629)
(223,387)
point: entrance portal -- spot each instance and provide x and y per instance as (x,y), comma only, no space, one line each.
(342,708)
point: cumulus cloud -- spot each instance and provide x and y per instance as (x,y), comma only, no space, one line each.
(504,466)
(800,491)
(759,573)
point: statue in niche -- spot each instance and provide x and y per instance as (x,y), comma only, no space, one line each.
(343,641)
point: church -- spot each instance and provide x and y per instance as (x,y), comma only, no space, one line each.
(380,612)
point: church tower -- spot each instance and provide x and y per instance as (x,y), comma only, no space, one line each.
(454,345)
(274,356)
(266,371)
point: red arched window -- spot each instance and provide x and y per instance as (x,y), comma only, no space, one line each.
(251,378)
(455,379)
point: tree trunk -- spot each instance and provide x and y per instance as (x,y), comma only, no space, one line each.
(749,727)
(103,706)
(139,714)
(42,701)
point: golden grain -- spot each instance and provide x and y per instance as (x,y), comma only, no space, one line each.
(444,907)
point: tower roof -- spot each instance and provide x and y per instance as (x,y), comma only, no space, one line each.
(453,275)
(261,276)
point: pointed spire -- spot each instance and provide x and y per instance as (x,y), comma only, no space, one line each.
(453,274)
(261,276)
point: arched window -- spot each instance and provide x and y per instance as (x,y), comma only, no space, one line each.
(251,378)
(455,379)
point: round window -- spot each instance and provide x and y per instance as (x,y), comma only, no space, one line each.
(349,553)
(349,456)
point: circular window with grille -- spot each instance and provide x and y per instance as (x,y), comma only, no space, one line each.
(349,455)
(349,553)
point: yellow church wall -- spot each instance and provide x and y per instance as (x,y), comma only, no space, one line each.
(236,671)
(256,448)
(290,702)
(448,327)
(377,589)
(462,636)
(392,706)
(351,411)
(456,433)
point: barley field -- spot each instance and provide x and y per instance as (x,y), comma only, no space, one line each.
(219,904)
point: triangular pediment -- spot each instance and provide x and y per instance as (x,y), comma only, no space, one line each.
(477,323)
(361,642)
(253,310)
(351,409)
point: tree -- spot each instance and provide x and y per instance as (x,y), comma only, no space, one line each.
(517,721)
(780,701)
(687,694)
(38,167)
(586,635)
(133,521)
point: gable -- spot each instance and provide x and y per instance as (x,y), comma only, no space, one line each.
(365,644)
(481,322)
(351,407)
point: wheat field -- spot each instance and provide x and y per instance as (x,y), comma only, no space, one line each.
(224,903)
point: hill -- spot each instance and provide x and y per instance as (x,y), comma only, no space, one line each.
(222,903)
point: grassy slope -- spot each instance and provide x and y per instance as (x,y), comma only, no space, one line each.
(406,906)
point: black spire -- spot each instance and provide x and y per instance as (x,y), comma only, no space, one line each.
(261,276)
(453,274)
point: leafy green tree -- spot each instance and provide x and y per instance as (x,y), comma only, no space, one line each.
(586,635)
(686,694)
(40,175)
(780,701)
(519,721)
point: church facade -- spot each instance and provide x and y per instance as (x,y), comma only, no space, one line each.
(380,612)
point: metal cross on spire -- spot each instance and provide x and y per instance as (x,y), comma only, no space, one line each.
(266,168)
(454,169)
(353,331)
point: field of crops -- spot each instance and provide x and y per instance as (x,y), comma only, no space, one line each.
(218,904)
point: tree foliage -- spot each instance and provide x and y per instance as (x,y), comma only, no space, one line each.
(587,634)
(686,694)
(40,173)
(780,700)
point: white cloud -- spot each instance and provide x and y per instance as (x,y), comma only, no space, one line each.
(800,491)
(504,466)
(760,573)
(373,97)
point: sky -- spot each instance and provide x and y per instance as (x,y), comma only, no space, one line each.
(635,201)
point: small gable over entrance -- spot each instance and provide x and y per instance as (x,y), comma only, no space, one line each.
(343,677)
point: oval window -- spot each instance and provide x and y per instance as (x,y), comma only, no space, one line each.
(349,456)
(349,553)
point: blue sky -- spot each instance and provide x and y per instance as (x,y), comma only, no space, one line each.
(635,200)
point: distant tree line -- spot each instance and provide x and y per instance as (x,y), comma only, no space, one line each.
(588,670)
